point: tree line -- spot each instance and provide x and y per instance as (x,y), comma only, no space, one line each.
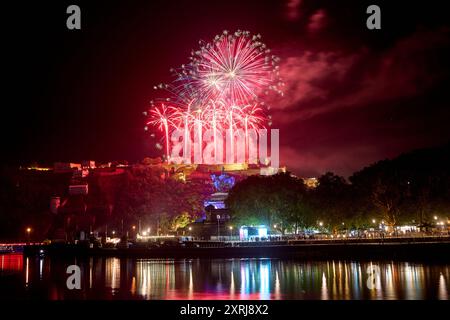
(411,189)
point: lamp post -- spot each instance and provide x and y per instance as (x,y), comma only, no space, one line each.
(28,235)
(218,226)
(231,230)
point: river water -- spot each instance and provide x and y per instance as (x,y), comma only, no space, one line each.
(127,278)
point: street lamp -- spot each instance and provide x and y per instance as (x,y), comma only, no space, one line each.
(374,221)
(435,217)
(28,234)
(321,223)
(113,232)
(218,226)
(231,230)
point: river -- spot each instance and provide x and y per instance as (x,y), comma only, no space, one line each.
(128,278)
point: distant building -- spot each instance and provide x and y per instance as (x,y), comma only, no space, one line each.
(217,200)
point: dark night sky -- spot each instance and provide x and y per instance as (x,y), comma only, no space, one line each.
(353,96)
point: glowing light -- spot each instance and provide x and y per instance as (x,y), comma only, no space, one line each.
(39,169)
(262,232)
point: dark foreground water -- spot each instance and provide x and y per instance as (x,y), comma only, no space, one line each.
(126,278)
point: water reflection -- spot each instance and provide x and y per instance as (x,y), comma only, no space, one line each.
(114,278)
(112,274)
(443,293)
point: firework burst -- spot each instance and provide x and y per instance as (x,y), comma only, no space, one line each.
(235,67)
(163,117)
(222,88)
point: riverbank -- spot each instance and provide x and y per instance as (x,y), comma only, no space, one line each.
(423,249)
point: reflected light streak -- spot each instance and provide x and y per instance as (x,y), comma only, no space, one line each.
(389,281)
(41,266)
(11,262)
(277,286)
(133,286)
(264,288)
(91,265)
(27,270)
(443,293)
(324,289)
(112,274)
(191,284)
(413,277)
(232,285)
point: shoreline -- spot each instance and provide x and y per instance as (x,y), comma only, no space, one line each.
(437,250)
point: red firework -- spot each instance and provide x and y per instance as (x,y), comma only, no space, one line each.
(235,67)
(221,88)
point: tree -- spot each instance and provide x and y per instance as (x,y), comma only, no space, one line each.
(181,221)
(331,201)
(270,200)
(165,202)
